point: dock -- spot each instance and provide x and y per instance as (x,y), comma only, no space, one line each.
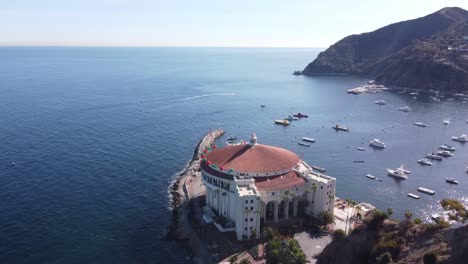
(426,190)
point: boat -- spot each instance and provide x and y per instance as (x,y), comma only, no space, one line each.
(462,138)
(283,122)
(359,161)
(308,139)
(262,106)
(451,181)
(447,147)
(291,118)
(380,102)
(426,190)
(303,144)
(433,156)
(317,168)
(414,93)
(446,121)
(420,124)
(360,149)
(300,115)
(414,196)
(404,109)
(425,162)
(377,143)
(445,153)
(340,128)
(372,177)
(232,138)
(398,173)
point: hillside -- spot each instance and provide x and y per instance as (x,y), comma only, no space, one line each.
(413,53)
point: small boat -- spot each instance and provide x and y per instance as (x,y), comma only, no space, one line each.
(377,143)
(317,168)
(291,118)
(308,139)
(404,109)
(262,106)
(414,196)
(447,147)
(398,173)
(359,161)
(433,156)
(446,121)
(420,124)
(283,122)
(303,144)
(462,138)
(380,102)
(445,153)
(451,181)
(300,115)
(340,128)
(360,149)
(425,162)
(414,93)
(232,138)
(426,190)
(372,177)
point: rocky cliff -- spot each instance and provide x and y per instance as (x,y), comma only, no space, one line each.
(430,52)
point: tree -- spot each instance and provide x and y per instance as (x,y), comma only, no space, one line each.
(326,218)
(244,261)
(233,259)
(377,219)
(385,258)
(417,221)
(338,234)
(430,258)
(408,215)
(389,212)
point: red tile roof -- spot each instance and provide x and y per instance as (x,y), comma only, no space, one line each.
(285,181)
(253,159)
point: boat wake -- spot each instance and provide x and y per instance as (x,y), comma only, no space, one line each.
(203,95)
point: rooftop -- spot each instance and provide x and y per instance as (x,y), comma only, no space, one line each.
(285,181)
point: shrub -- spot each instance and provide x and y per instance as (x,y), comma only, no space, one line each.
(430,258)
(244,261)
(437,226)
(417,221)
(384,258)
(338,235)
(451,204)
(233,259)
(377,219)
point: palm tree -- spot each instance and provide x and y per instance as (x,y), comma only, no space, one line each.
(358,208)
(389,212)
(326,218)
(408,215)
(349,203)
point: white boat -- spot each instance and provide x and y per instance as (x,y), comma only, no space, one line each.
(398,173)
(380,102)
(426,190)
(317,168)
(340,128)
(283,122)
(231,138)
(372,177)
(446,121)
(308,139)
(414,196)
(414,93)
(420,124)
(425,162)
(405,109)
(360,148)
(291,118)
(433,156)
(377,143)
(451,181)
(462,138)
(447,147)
(303,144)
(445,153)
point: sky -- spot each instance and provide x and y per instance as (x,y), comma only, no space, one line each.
(206,23)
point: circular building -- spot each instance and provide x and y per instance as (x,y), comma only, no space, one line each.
(250,185)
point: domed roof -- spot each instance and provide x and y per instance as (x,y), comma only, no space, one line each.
(257,158)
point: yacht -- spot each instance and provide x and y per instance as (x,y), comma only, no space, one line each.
(462,138)
(380,102)
(420,124)
(451,181)
(447,147)
(372,177)
(291,118)
(425,162)
(303,144)
(308,139)
(446,121)
(340,128)
(444,153)
(377,143)
(433,156)
(405,109)
(283,122)
(361,149)
(398,173)
(426,190)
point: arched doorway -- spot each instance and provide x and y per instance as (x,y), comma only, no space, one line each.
(281,207)
(270,211)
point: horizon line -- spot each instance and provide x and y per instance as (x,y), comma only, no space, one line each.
(146,46)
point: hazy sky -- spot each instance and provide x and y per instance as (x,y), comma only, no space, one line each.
(273,23)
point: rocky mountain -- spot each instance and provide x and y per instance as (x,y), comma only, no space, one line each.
(430,52)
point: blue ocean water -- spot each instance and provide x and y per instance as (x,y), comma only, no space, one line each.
(98,134)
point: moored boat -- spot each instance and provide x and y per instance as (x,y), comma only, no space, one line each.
(340,128)
(446,121)
(445,153)
(232,138)
(303,144)
(372,177)
(308,139)
(291,118)
(283,122)
(360,149)
(433,156)
(462,138)
(300,115)
(451,181)
(420,124)
(404,109)
(426,190)
(317,168)
(377,143)
(425,161)
(414,196)
(380,102)
(398,173)
(447,147)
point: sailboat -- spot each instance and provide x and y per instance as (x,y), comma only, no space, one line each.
(446,121)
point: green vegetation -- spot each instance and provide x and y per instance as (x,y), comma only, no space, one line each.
(244,261)
(430,258)
(384,258)
(376,220)
(461,213)
(408,215)
(233,259)
(437,226)
(338,234)
(283,250)
(389,212)
(325,218)
(417,221)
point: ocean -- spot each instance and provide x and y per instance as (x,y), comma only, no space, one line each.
(97,135)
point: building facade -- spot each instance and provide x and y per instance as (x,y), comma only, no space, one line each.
(250,184)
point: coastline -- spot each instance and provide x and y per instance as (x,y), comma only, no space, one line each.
(181,227)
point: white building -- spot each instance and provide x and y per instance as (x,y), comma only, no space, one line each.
(250,184)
